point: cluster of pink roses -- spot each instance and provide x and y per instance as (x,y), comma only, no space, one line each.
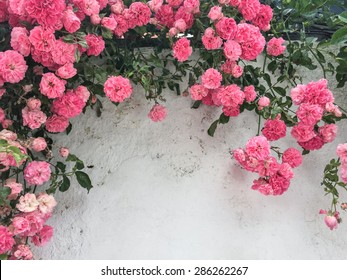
(274,176)
(28,223)
(314,100)
(341,151)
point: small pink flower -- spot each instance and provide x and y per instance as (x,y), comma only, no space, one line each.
(27,203)
(56,123)
(6,240)
(298,94)
(20,225)
(211,79)
(328,132)
(180,25)
(226,28)
(275,47)
(250,94)
(331,222)
(66,71)
(64,152)
(210,41)
(258,147)
(43,236)
(20,40)
(309,114)
(274,129)
(154,5)
(263,18)
(95,19)
(83,93)
(232,50)
(71,22)
(23,252)
(157,113)
(215,13)
(46,203)
(302,133)
(182,49)
(12,66)
(51,86)
(15,187)
(293,157)
(249,9)
(33,118)
(237,71)
(197,92)
(263,102)
(95,44)
(117,88)
(37,172)
(69,105)
(173,31)
(109,22)
(314,143)
(38,144)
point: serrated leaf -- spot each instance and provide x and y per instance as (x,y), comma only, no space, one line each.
(84,180)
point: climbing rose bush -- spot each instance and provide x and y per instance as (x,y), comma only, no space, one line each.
(59,58)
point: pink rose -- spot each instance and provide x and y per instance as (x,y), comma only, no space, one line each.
(33,118)
(293,157)
(215,13)
(180,25)
(211,79)
(22,252)
(57,123)
(20,40)
(226,28)
(263,102)
(250,94)
(157,113)
(43,236)
(64,152)
(249,9)
(274,47)
(109,22)
(258,147)
(95,44)
(66,71)
(37,172)
(83,93)
(38,144)
(6,240)
(15,187)
(20,225)
(27,203)
(274,129)
(95,19)
(232,50)
(51,86)
(328,132)
(46,203)
(12,66)
(182,49)
(117,88)
(197,92)
(71,22)
(69,105)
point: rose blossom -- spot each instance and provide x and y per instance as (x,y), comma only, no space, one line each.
(258,147)
(237,71)
(250,94)
(263,102)
(274,47)
(180,25)
(69,105)
(27,203)
(37,172)
(56,123)
(274,129)
(66,71)
(226,28)
(231,95)
(22,252)
(263,18)
(191,6)
(43,236)
(63,53)
(42,39)
(46,203)
(20,40)
(309,114)
(298,94)
(20,225)
(314,143)
(64,152)
(140,14)
(211,79)
(15,187)
(293,157)
(249,8)
(302,132)
(210,41)
(154,5)
(83,93)
(51,86)
(197,92)
(328,132)
(165,16)
(33,118)
(71,22)
(232,50)
(215,13)
(157,113)
(109,22)
(38,144)
(6,240)
(182,49)
(117,88)
(95,44)
(12,66)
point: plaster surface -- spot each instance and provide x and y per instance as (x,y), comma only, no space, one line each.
(169,191)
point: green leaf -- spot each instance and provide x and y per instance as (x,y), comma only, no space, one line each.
(61,166)
(305,152)
(65,185)
(223,119)
(72,157)
(213,128)
(79,165)
(343,17)
(107,33)
(280,91)
(84,180)
(3,257)
(339,36)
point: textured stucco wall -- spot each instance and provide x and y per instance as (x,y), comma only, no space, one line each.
(169,191)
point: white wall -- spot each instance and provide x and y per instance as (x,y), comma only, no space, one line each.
(169,191)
